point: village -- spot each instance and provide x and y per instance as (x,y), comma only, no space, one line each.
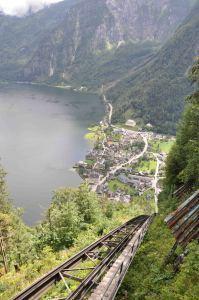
(125,163)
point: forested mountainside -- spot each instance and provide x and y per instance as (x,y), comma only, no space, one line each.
(123,45)
(155,92)
(182,171)
(20,37)
(54,43)
(77,217)
(92,27)
(150,277)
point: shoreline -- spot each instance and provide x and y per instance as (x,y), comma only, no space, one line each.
(106,123)
(75,89)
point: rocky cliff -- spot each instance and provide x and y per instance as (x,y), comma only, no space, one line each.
(129,46)
(156,91)
(21,37)
(91,27)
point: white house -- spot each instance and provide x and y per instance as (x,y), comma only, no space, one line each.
(131,123)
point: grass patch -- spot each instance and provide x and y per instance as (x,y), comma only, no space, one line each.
(132,128)
(115,184)
(162,146)
(148,277)
(117,137)
(95,134)
(149,192)
(147,166)
(90,136)
(90,162)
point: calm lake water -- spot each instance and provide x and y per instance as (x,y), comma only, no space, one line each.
(41,137)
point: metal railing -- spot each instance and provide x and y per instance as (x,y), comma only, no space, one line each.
(184,221)
(110,284)
(95,260)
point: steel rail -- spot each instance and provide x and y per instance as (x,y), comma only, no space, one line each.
(43,284)
(109,286)
(184,221)
(184,209)
(93,278)
(182,190)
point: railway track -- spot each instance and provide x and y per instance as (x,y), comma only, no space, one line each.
(180,192)
(184,221)
(93,263)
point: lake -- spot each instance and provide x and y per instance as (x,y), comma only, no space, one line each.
(41,138)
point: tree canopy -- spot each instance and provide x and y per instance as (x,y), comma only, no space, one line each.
(183,160)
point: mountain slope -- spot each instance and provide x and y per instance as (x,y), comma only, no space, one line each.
(91,28)
(112,43)
(155,91)
(20,37)
(150,277)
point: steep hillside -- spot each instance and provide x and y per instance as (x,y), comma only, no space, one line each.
(20,37)
(150,277)
(183,171)
(91,28)
(112,43)
(155,91)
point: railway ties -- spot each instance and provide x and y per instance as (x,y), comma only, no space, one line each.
(184,224)
(184,221)
(89,268)
(111,282)
(181,191)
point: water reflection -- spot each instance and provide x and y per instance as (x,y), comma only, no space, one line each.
(41,137)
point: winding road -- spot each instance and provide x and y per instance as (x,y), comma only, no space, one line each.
(155,182)
(132,159)
(109,108)
(117,168)
(110,112)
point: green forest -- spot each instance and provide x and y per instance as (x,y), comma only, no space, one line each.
(77,217)
(155,92)
(145,79)
(149,277)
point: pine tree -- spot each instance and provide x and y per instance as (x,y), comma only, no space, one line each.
(183,160)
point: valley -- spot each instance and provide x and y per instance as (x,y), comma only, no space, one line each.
(65,47)
(99,149)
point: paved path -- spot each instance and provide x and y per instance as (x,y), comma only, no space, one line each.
(132,159)
(110,112)
(117,168)
(155,182)
(109,107)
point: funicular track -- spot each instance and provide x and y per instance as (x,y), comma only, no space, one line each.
(181,191)
(99,269)
(95,262)
(184,221)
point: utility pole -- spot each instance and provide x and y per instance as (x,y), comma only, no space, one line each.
(3,253)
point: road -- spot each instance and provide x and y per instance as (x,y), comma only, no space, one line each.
(117,168)
(110,112)
(109,108)
(155,182)
(132,159)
